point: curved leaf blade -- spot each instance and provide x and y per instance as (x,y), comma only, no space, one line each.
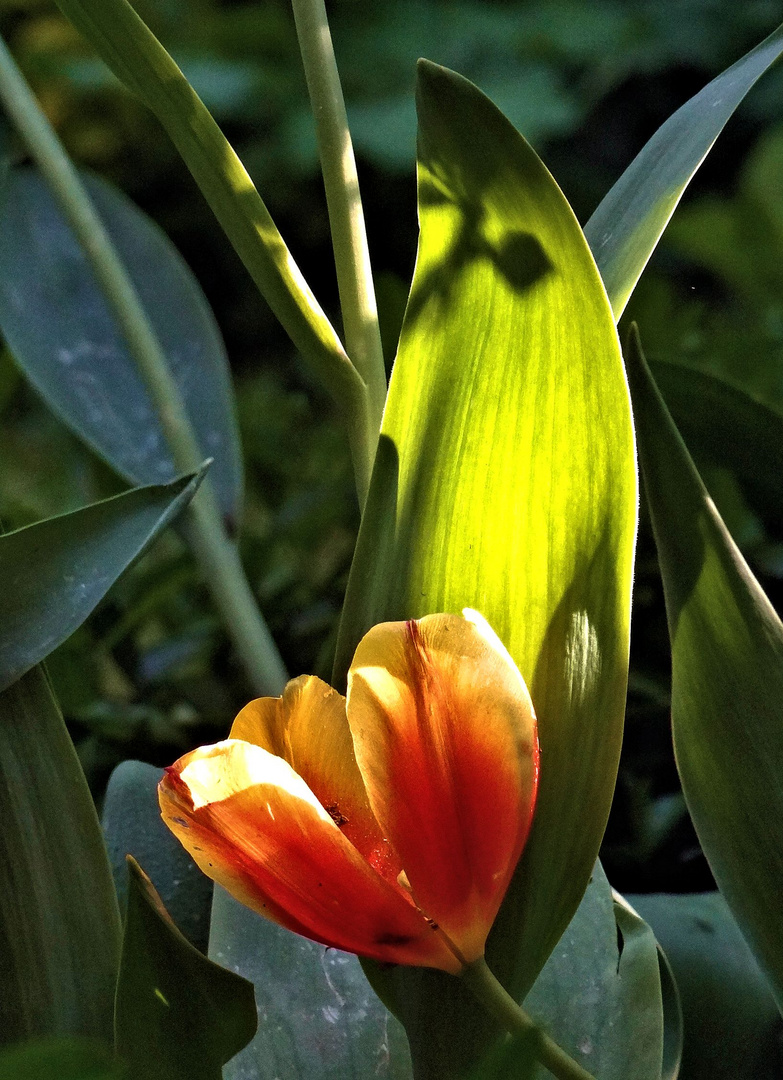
(178,1016)
(727,680)
(59,923)
(732,1026)
(139,61)
(55,572)
(505,480)
(627,225)
(65,338)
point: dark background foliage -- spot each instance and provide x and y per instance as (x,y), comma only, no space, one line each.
(151,673)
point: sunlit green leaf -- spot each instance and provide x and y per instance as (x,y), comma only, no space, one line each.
(56,571)
(626,227)
(727,681)
(139,61)
(59,924)
(69,345)
(59,1059)
(505,482)
(732,1027)
(178,1015)
(318,1016)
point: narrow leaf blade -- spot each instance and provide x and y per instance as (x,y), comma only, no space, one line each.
(505,481)
(727,680)
(55,572)
(139,61)
(627,225)
(178,1015)
(67,341)
(59,923)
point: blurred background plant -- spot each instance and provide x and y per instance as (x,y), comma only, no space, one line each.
(151,673)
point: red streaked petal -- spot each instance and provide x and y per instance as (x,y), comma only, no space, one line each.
(256,828)
(307,727)
(445,737)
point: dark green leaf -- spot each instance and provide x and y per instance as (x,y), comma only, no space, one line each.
(133,826)
(626,227)
(56,571)
(318,1017)
(62,333)
(59,924)
(723,425)
(732,1028)
(178,1015)
(505,482)
(59,1059)
(727,680)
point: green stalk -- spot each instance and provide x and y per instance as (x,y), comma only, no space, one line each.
(499,1003)
(218,556)
(346,219)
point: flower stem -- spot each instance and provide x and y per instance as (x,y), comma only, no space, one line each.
(497,1001)
(346,219)
(204,526)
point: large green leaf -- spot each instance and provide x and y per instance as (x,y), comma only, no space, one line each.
(318,1016)
(59,924)
(59,1059)
(69,345)
(56,571)
(599,994)
(505,481)
(626,227)
(732,1027)
(727,680)
(139,61)
(599,997)
(178,1016)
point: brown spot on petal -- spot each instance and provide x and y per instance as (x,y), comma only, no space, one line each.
(333,810)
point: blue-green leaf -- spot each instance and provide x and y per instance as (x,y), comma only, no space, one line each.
(56,571)
(732,1026)
(62,333)
(626,227)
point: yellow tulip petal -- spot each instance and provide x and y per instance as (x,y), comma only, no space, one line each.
(257,829)
(445,737)
(307,727)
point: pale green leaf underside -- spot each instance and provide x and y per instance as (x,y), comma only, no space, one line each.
(505,479)
(727,681)
(627,225)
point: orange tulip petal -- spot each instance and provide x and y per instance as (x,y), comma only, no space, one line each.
(308,728)
(256,828)
(445,737)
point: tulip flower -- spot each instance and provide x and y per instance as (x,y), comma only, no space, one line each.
(387,823)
